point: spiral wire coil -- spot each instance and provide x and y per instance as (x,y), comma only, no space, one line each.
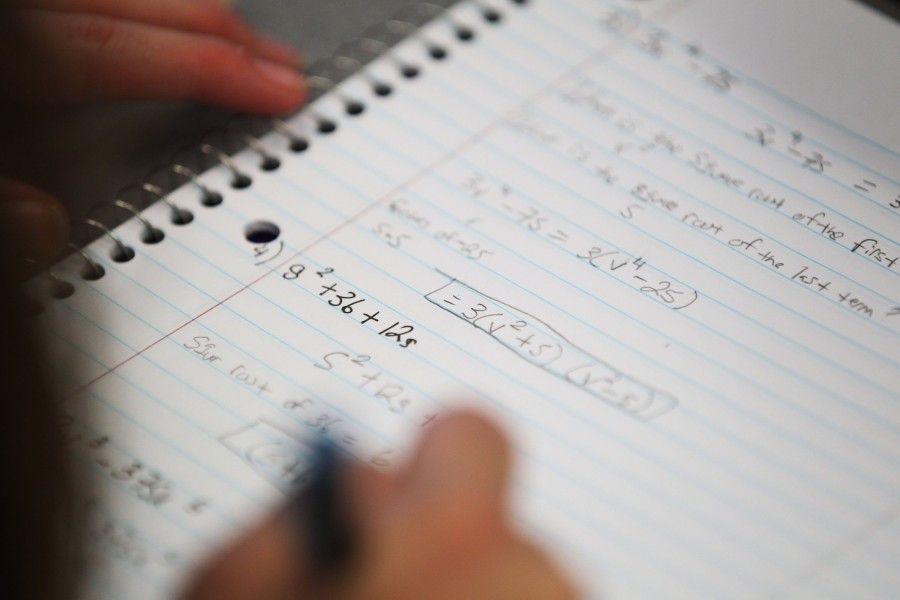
(323,77)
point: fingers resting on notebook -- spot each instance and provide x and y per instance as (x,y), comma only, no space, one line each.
(161,50)
(436,529)
(72,51)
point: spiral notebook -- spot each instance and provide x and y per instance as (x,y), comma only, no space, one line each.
(658,241)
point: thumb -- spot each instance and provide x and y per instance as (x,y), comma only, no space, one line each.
(268,563)
(443,511)
(463,457)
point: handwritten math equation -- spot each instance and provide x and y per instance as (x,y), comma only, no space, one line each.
(456,238)
(388,390)
(352,303)
(776,256)
(284,457)
(120,541)
(540,345)
(132,475)
(690,58)
(277,443)
(276,454)
(630,269)
(794,143)
(640,137)
(661,45)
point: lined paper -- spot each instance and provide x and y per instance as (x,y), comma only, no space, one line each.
(658,241)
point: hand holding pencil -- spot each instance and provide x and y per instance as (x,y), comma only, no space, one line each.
(437,529)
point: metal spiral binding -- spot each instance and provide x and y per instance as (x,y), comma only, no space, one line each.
(297,143)
(92,270)
(324,77)
(240,180)
(180,216)
(59,288)
(123,252)
(374,47)
(268,162)
(151,234)
(320,85)
(378,41)
(208,197)
(344,61)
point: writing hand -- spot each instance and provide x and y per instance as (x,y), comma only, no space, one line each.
(437,529)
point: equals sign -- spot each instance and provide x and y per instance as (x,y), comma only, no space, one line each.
(455,297)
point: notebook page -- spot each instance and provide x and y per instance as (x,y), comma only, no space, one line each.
(656,240)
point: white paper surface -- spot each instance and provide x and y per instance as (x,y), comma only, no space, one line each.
(674,227)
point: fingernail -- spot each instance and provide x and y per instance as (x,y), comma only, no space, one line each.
(281,76)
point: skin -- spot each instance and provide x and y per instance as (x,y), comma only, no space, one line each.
(159,50)
(437,528)
(63,52)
